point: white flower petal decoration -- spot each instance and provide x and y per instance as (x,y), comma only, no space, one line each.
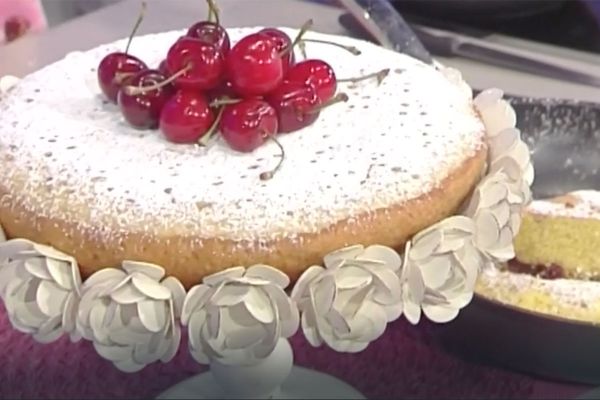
(455,76)
(7,82)
(349,303)
(40,288)
(237,316)
(498,200)
(132,314)
(495,112)
(440,270)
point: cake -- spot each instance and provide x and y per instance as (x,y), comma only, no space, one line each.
(556,269)
(221,181)
(396,158)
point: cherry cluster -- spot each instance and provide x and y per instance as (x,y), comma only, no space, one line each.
(249,92)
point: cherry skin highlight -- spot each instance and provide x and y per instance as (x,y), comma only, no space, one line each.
(204,63)
(186,117)
(254,66)
(318,74)
(284,46)
(296,104)
(114,70)
(211,33)
(143,110)
(248,124)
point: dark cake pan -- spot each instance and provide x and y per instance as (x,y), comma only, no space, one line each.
(564,137)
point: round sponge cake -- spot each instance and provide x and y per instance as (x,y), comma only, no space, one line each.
(394,159)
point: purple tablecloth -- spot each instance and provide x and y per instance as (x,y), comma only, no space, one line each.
(405,363)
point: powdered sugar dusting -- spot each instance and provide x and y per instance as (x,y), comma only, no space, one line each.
(578,204)
(61,144)
(569,292)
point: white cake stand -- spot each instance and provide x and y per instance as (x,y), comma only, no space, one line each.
(274,378)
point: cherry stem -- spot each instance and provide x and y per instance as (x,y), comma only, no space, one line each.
(307,25)
(265,176)
(121,76)
(203,141)
(302,47)
(380,76)
(224,101)
(135,90)
(351,49)
(213,11)
(136,26)
(338,98)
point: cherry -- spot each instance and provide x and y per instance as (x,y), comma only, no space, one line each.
(211,33)
(318,74)
(283,43)
(298,105)
(162,67)
(186,117)
(205,64)
(294,103)
(224,90)
(116,68)
(142,109)
(247,125)
(255,66)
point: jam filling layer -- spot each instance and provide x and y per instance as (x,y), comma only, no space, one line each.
(542,271)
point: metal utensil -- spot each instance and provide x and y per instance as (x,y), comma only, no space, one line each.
(447,43)
(380,20)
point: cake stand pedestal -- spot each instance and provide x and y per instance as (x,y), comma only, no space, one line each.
(273,378)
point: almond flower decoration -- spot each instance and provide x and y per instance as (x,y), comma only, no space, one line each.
(40,288)
(498,200)
(132,315)
(441,266)
(237,316)
(7,82)
(349,303)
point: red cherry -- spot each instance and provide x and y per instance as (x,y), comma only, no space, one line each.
(283,42)
(318,74)
(186,117)
(296,104)
(204,63)
(248,124)
(142,110)
(115,70)
(224,90)
(162,67)
(211,33)
(254,65)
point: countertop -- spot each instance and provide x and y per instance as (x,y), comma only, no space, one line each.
(113,22)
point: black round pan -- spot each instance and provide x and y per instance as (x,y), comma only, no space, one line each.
(565,142)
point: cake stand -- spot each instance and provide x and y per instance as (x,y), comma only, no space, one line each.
(238,321)
(274,377)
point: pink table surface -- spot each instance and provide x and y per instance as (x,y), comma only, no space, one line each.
(406,362)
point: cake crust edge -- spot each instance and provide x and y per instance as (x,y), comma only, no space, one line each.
(184,258)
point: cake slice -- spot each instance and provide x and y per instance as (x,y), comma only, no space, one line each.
(557,265)
(560,237)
